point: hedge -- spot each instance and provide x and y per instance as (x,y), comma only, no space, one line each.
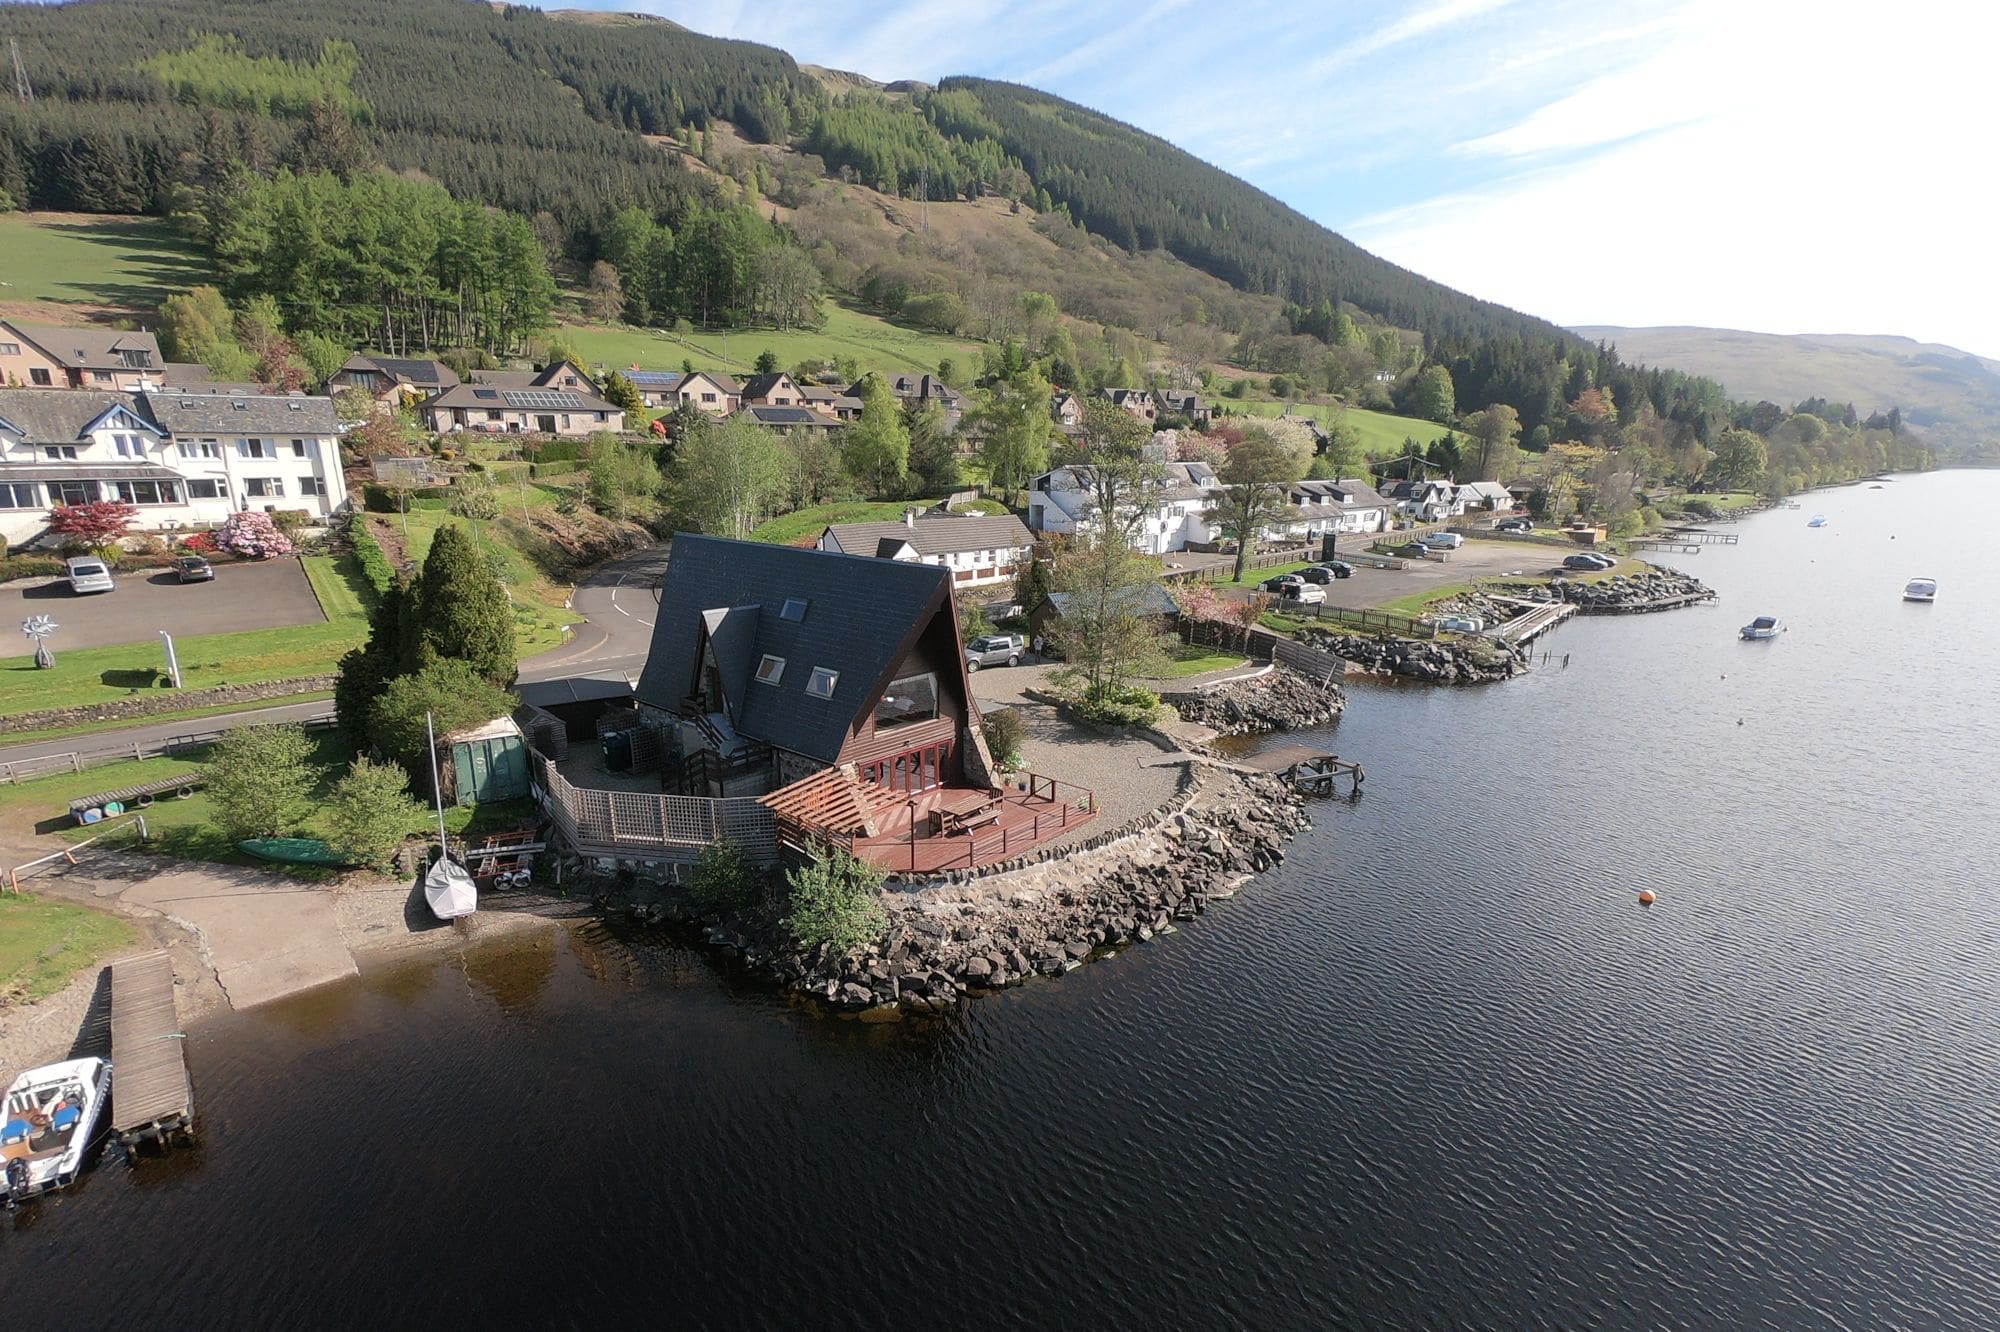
(375,566)
(30,566)
(562,450)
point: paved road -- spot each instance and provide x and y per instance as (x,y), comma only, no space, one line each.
(618,599)
(265,594)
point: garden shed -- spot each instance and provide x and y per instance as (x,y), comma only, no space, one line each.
(484,762)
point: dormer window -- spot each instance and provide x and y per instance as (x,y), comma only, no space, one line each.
(770,670)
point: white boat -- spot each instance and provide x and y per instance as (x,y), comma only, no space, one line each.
(1817,520)
(50,1124)
(1764,626)
(1920,589)
(448,885)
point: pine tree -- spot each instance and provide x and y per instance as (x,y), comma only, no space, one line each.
(461,611)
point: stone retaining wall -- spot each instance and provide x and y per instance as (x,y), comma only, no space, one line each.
(159,701)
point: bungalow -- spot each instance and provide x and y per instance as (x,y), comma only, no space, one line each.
(771,391)
(1184,402)
(718,395)
(1139,402)
(979,551)
(922,389)
(1062,501)
(43,356)
(1326,508)
(789,418)
(393,380)
(837,403)
(1488,495)
(1425,501)
(184,460)
(770,664)
(559,400)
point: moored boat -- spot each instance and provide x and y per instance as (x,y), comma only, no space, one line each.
(1764,626)
(50,1122)
(1817,520)
(1920,589)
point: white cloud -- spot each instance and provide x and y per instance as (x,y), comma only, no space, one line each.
(1408,28)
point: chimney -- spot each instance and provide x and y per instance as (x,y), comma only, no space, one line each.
(909,518)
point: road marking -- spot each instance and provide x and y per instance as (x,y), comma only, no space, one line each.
(620,609)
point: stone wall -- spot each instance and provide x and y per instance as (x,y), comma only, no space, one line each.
(1278,700)
(159,701)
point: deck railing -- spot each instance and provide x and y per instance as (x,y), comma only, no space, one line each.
(589,817)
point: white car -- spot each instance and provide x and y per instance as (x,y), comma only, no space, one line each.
(1442,540)
(1307,594)
(87,573)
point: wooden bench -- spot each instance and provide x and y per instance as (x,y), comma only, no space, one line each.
(135,798)
(962,811)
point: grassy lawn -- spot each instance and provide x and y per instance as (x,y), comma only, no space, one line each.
(874,343)
(797,526)
(338,583)
(93,263)
(108,674)
(1190,659)
(1740,499)
(182,828)
(1382,435)
(1416,603)
(539,617)
(44,943)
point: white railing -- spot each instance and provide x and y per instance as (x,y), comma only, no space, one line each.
(637,819)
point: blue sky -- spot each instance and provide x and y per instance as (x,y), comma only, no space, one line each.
(1788,166)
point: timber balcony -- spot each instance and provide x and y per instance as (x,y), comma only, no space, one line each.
(926,831)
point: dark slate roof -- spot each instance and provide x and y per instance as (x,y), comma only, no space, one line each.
(573,689)
(786,416)
(858,611)
(421,373)
(92,348)
(758,385)
(59,416)
(217,414)
(1151,600)
(935,534)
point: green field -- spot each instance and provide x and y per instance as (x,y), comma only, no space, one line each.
(1382,435)
(44,943)
(1186,659)
(337,584)
(106,675)
(93,263)
(788,528)
(876,344)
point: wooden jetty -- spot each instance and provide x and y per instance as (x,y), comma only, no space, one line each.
(1642,607)
(1536,619)
(1696,536)
(1665,543)
(151,1096)
(1313,771)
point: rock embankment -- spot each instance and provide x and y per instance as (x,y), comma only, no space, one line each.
(1278,700)
(952,938)
(1437,661)
(1655,589)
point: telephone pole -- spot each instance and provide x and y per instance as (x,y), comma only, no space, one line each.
(21,88)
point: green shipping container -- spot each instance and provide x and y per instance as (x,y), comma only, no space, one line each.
(488,767)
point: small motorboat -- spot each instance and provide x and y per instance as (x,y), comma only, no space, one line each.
(50,1124)
(293,851)
(1764,626)
(1817,520)
(1920,589)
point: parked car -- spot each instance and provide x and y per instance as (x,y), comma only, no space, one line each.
(1442,540)
(1317,574)
(1412,550)
(1588,560)
(1283,585)
(87,573)
(1514,525)
(1339,568)
(194,569)
(994,650)
(1462,624)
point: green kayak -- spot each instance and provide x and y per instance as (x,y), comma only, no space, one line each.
(293,850)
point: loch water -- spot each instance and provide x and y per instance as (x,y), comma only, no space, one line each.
(1438,1070)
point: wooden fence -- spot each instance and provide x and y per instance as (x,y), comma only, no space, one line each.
(1226,571)
(1263,645)
(639,820)
(1380,621)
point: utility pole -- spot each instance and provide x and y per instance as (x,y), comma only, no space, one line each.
(21,88)
(924,192)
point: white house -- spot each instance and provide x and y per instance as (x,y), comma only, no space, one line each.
(186,461)
(1426,501)
(1325,507)
(1489,495)
(1063,501)
(979,551)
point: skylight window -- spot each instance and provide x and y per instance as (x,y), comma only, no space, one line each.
(794,609)
(822,682)
(770,670)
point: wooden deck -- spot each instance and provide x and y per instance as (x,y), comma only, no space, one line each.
(1026,819)
(1536,618)
(150,1092)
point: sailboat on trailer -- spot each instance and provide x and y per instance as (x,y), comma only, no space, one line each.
(448,885)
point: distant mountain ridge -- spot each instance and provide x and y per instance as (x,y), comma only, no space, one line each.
(1953,395)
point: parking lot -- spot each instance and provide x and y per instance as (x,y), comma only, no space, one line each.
(262,595)
(1370,587)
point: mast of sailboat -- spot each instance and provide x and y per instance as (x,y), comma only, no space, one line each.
(437,787)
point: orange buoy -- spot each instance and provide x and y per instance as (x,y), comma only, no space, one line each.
(1647,897)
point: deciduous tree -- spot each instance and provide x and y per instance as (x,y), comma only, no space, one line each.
(877,447)
(370,811)
(1253,495)
(455,695)
(725,477)
(260,779)
(98,524)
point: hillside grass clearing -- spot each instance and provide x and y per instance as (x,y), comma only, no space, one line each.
(43,943)
(1382,434)
(872,342)
(790,528)
(75,267)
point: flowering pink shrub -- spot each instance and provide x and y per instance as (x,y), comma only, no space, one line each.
(253,536)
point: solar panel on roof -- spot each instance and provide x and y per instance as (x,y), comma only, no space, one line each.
(538,398)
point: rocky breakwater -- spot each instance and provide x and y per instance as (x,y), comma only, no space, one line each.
(964,933)
(1278,700)
(1467,660)
(1652,589)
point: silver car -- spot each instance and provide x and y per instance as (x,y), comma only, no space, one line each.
(87,573)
